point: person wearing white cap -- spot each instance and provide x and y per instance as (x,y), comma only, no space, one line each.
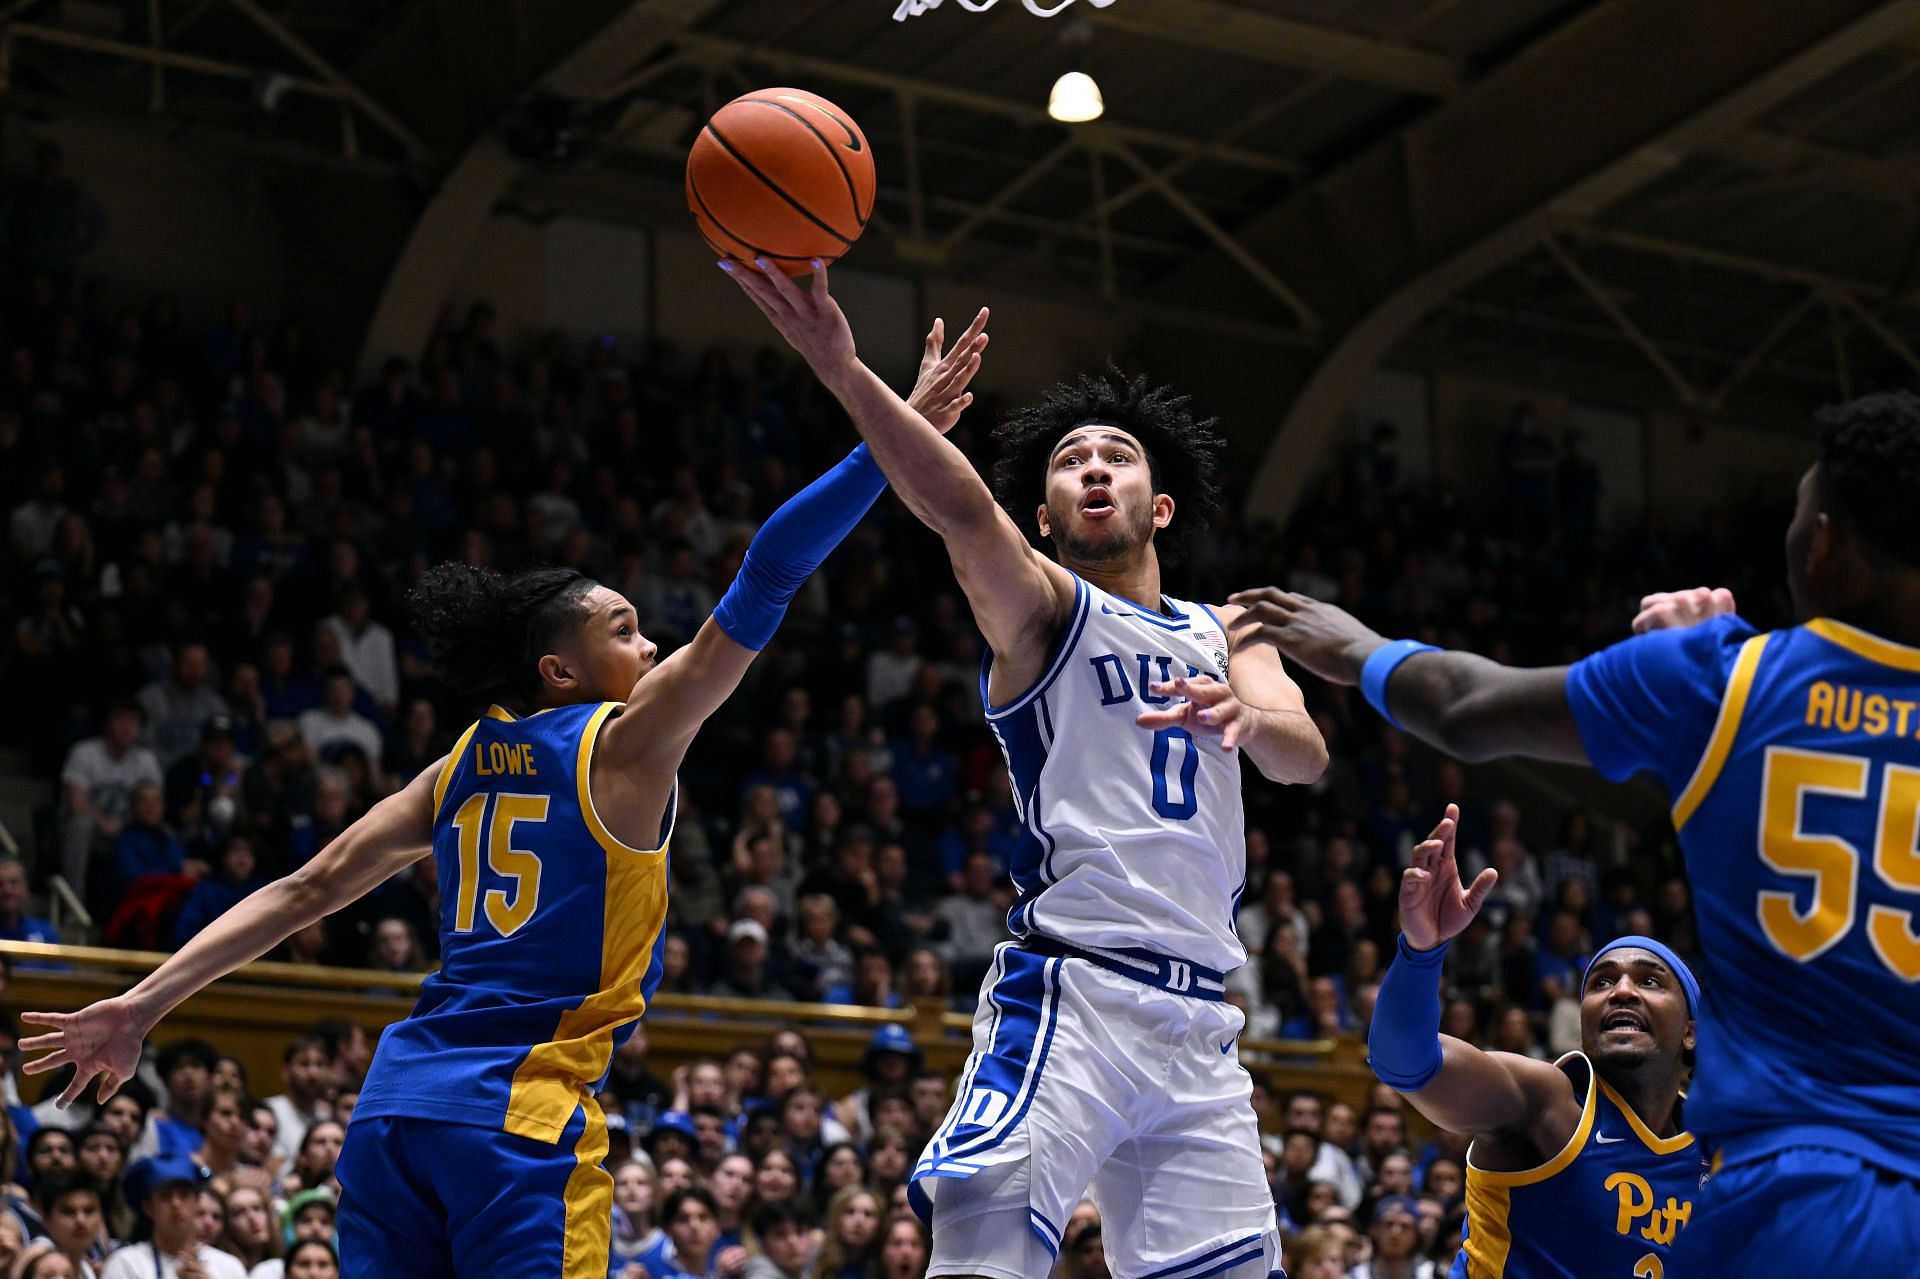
(745,974)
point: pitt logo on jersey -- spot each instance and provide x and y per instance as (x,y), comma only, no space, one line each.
(1636,1205)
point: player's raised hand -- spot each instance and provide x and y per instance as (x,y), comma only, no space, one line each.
(1674,610)
(1209,710)
(1326,639)
(1434,905)
(809,319)
(101,1040)
(940,394)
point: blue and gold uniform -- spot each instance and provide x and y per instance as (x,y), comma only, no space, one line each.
(1618,1189)
(1793,760)
(476,1145)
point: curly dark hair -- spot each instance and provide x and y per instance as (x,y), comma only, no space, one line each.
(1182,451)
(487,632)
(1869,470)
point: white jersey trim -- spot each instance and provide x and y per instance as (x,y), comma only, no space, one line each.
(1069,636)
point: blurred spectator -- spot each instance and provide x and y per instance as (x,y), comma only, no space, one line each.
(15,923)
(178,706)
(99,779)
(335,723)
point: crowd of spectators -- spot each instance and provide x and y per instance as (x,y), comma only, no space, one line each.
(211,533)
(725,1168)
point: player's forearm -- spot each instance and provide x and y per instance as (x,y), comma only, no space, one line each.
(1476,709)
(1285,745)
(392,835)
(931,476)
(248,931)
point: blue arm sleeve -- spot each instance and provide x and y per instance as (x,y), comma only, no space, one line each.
(792,543)
(1403,1043)
(1648,704)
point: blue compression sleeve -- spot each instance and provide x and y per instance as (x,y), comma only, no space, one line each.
(792,543)
(1403,1044)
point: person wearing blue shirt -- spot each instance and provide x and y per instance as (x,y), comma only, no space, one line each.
(1793,761)
(186,1068)
(218,893)
(146,845)
(15,923)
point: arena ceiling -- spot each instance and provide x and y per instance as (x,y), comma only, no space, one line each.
(1714,206)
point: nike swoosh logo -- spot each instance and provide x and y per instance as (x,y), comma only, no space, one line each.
(1602,1139)
(1226,1048)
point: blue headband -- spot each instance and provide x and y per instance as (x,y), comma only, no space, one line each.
(1665,955)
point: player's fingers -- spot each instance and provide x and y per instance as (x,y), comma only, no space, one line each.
(109,1085)
(936,336)
(52,1061)
(756,289)
(45,1019)
(783,288)
(1166,717)
(75,1086)
(820,291)
(1722,599)
(1483,883)
(973,330)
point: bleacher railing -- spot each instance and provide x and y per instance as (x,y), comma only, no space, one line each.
(256,1010)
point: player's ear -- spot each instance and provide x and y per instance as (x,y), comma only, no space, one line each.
(553,669)
(1162,510)
(1687,1041)
(1046,529)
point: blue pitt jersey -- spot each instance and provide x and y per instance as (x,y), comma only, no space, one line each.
(550,936)
(1794,761)
(1607,1206)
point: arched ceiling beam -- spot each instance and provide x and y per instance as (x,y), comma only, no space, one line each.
(1547,141)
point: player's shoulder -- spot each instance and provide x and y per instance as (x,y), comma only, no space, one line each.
(1701,656)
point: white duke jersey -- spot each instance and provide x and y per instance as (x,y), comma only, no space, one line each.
(1133,839)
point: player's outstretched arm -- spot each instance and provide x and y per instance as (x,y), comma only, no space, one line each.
(1015,592)
(668,706)
(103,1040)
(1258,710)
(1448,1080)
(1468,706)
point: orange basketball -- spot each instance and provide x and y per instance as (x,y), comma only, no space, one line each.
(782,174)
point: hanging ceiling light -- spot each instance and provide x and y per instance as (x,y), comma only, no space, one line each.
(1075,99)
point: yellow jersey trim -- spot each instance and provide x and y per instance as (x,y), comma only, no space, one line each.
(1866,644)
(1733,704)
(1658,1145)
(551,1081)
(1568,1153)
(1489,1194)
(583,778)
(453,762)
(589,1202)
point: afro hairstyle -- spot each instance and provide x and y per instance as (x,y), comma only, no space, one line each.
(1182,451)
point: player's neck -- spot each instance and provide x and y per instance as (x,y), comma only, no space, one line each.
(1137,579)
(1889,609)
(1655,1099)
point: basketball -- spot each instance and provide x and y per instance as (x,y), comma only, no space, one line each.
(782,174)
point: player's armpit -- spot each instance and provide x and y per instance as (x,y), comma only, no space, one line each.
(1476,709)
(1483,1093)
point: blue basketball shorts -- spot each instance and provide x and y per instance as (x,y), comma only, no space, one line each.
(427,1199)
(1802,1211)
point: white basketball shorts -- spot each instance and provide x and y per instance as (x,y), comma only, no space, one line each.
(1082,1079)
